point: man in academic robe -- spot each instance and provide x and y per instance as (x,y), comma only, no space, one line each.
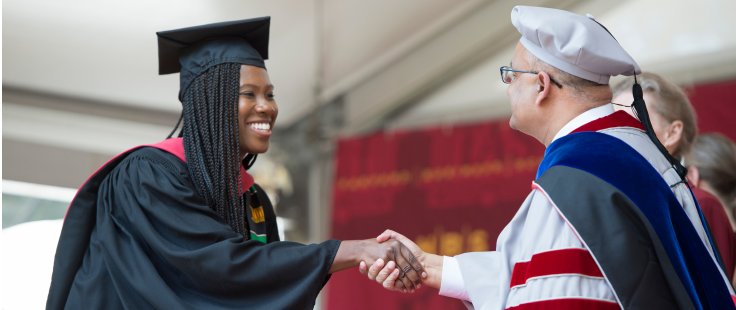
(611,222)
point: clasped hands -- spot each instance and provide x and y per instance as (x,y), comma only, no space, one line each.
(411,266)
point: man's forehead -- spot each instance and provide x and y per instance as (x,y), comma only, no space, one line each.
(518,58)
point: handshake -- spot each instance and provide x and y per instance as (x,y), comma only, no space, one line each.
(402,266)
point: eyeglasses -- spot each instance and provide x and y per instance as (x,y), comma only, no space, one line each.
(507,75)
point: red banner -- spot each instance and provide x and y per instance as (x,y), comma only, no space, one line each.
(451,190)
(715,106)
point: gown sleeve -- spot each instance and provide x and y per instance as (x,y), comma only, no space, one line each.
(165,248)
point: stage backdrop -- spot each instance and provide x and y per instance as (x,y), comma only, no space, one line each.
(715,105)
(451,190)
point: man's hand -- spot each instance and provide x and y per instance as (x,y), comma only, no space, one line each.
(413,247)
(392,251)
(389,275)
(380,274)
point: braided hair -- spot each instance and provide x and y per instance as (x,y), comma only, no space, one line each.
(211,143)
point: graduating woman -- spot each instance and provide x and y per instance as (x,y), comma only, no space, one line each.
(180,224)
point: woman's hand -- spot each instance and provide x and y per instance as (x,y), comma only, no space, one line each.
(409,271)
(388,275)
(351,253)
(413,247)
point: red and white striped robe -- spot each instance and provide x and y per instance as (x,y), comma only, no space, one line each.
(539,262)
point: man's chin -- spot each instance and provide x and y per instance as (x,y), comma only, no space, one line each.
(512,123)
(515,125)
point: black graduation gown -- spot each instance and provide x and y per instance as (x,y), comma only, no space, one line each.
(155,244)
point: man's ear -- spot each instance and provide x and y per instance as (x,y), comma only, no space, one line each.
(543,86)
(693,175)
(674,132)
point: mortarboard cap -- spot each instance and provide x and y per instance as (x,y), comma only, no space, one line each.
(572,43)
(193,50)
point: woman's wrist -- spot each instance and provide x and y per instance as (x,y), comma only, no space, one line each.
(358,251)
(347,256)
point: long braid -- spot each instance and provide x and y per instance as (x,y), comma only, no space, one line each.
(206,107)
(211,143)
(234,150)
(192,139)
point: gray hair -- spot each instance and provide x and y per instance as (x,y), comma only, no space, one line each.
(672,104)
(578,85)
(715,157)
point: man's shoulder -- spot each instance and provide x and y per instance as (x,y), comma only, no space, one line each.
(593,160)
(592,151)
(639,141)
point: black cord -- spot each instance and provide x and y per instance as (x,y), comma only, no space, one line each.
(621,105)
(177,125)
(640,110)
(678,182)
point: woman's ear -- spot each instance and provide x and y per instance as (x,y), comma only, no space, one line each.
(543,86)
(693,176)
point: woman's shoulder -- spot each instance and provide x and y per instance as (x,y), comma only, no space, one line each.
(151,166)
(150,172)
(156,157)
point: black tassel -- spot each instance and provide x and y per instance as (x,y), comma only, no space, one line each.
(640,110)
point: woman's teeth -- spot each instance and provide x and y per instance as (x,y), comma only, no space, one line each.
(264,127)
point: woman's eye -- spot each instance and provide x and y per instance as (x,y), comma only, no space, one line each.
(249,94)
(271,95)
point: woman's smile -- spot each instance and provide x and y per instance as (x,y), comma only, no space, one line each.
(261,128)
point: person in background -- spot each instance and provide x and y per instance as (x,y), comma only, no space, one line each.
(712,168)
(671,113)
(674,122)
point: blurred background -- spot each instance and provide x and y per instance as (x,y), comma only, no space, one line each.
(392,114)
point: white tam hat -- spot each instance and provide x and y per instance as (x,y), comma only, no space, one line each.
(572,43)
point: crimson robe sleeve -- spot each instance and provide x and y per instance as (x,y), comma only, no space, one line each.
(720,228)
